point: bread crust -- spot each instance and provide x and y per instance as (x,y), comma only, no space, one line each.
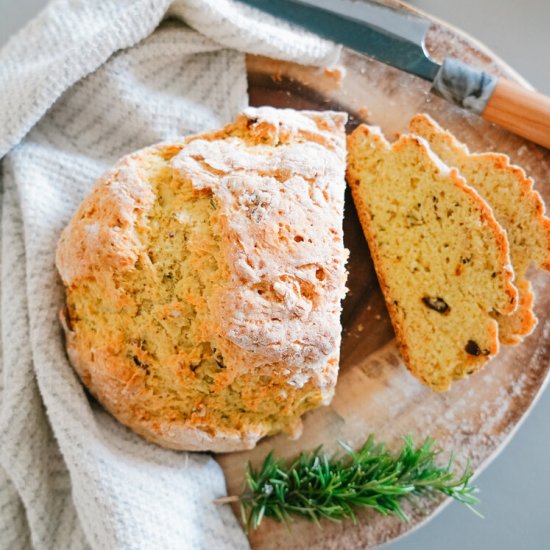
(304,277)
(169,434)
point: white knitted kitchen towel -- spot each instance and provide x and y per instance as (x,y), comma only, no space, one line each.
(83,84)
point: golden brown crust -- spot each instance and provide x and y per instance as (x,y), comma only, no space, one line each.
(107,389)
(365,216)
(512,328)
(518,208)
(204,281)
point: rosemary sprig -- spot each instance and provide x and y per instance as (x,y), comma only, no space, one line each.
(317,487)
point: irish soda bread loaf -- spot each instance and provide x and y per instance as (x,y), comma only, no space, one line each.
(441,258)
(517,208)
(204,281)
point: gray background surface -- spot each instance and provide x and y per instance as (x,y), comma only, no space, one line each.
(515,488)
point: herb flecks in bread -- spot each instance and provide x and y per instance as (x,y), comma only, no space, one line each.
(204,281)
(517,207)
(441,257)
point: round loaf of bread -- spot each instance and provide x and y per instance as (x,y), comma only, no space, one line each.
(204,281)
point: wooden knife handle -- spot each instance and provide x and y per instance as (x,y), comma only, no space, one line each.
(522,111)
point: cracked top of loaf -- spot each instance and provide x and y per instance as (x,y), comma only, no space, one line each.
(204,281)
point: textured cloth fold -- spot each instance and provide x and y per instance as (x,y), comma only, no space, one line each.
(84,83)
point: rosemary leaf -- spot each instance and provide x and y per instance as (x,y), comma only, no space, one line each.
(316,487)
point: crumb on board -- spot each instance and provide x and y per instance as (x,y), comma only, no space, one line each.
(336,73)
(363,112)
(522,150)
(277,76)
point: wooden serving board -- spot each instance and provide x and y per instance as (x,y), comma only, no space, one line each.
(375,393)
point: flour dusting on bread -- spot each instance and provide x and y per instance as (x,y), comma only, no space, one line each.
(204,281)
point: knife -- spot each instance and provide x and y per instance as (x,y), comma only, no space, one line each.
(397,37)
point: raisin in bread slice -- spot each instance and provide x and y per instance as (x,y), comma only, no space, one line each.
(517,207)
(440,255)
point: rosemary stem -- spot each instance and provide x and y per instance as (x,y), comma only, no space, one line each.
(227,500)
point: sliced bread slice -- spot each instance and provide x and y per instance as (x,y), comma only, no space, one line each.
(517,207)
(440,255)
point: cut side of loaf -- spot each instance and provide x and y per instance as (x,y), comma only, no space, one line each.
(518,208)
(204,281)
(441,257)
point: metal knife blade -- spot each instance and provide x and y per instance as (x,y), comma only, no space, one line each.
(397,37)
(389,35)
